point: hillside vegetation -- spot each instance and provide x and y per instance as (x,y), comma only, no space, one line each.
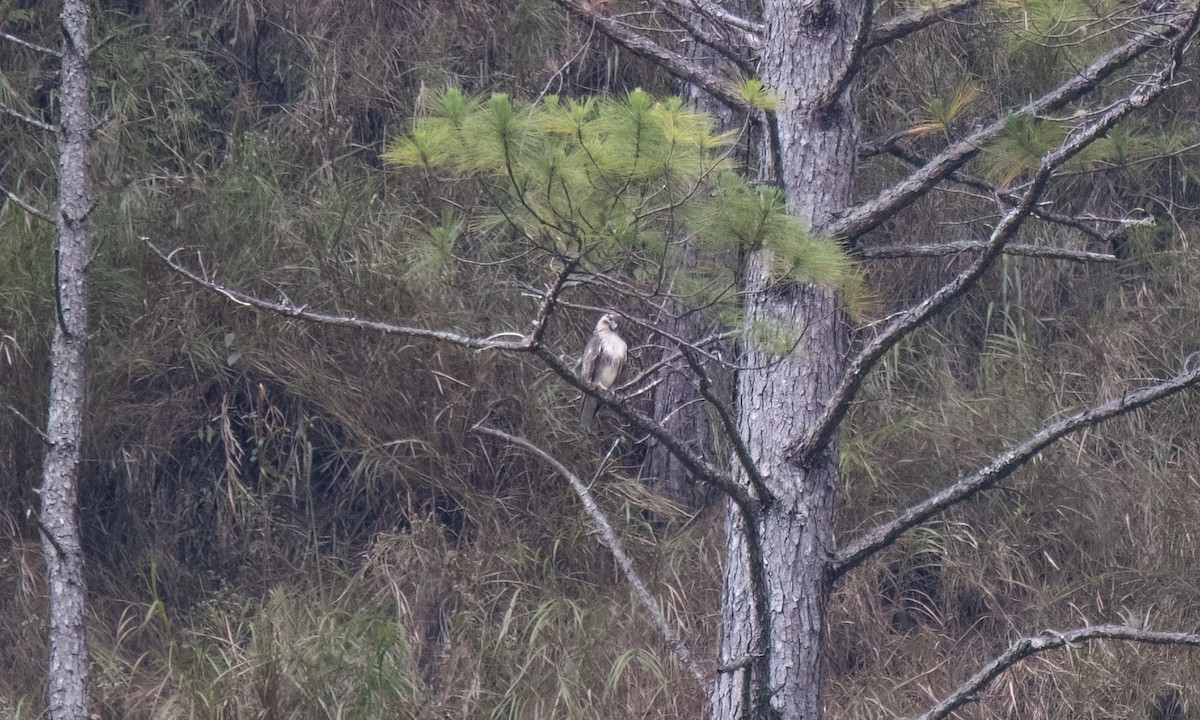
(289,520)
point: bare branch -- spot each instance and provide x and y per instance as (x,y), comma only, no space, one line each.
(885,252)
(287,309)
(714,12)
(1004,465)
(761,491)
(706,37)
(910,22)
(871,214)
(671,61)
(908,320)
(30,45)
(609,537)
(26,206)
(975,183)
(696,464)
(849,71)
(28,118)
(1050,640)
(41,433)
(700,468)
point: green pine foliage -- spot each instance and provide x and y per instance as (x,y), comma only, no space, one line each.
(613,184)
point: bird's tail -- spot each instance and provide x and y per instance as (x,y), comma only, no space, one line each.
(587,414)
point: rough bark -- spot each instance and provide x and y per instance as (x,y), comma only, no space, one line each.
(68,677)
(807,57)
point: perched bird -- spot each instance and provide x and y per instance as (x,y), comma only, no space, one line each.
(601,364)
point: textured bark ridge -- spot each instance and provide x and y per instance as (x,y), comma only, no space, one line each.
(778,673)
(68,677)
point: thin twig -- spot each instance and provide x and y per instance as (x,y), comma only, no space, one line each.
(609,537)
(287,309)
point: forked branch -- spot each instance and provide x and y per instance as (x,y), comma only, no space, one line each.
(1050,640)
(530,343)
(908,320)
(671,61)
(609,537)
(1004,465)
(871,214)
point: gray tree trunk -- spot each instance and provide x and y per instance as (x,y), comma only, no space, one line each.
(68,678)
(808,47)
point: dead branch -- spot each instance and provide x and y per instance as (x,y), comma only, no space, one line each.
(975,183)
(729,423)
(531,343)
(30,45)
(609,537)
(26,206)
(1004,465)
(41,433)
(908,320)
(1050,640)
(287,309)
(673,62)
(700,468)
(886,252)
(706,37)
(910,22)
(28,118)
(871,214)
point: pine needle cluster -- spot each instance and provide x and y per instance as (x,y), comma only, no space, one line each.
(616,184)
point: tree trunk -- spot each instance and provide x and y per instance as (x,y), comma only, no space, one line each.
(68,690)
(779,398)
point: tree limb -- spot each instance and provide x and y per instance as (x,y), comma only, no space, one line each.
(705,37)
(1004,465)
(885,252)
(26,206)
(869,215)
(975,183)
(609,537)
(714,12)
(694,462)
(287,309)
(761,491)
(28,118)
(30,45)
(1050,640)
(910,22)
(671,61)
(908,320)
(532,343)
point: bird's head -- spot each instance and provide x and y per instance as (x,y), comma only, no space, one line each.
(608,321)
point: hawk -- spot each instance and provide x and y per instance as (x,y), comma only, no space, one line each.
(602,360)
